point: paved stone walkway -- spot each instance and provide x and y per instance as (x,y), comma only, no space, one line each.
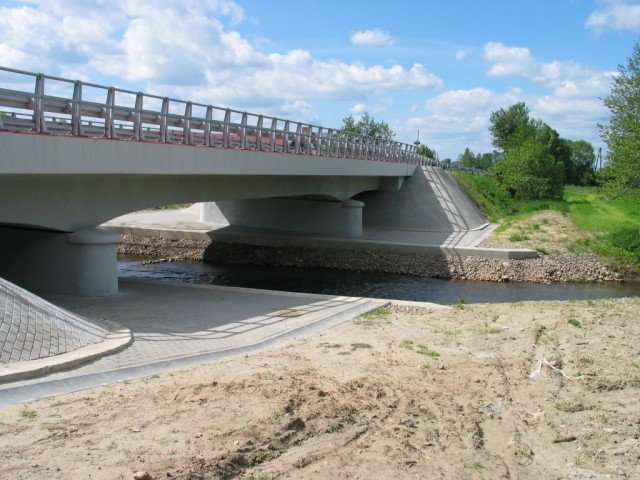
(178,325)
(32,328)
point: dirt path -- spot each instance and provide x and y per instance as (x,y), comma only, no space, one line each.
(406,393)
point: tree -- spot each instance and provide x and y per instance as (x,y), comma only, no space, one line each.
(467,159)
(583,159)
(368,127)
(621,176)
(528,171)
(508,125)
(426,152)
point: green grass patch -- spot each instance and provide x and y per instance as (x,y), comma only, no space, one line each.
(615,225)
(172,206)
(496,203)
(592,212)
(377,313)
(424,350)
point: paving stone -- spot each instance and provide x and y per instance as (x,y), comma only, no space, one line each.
(30,326)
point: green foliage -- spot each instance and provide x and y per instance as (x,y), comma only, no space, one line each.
(622,135)
(426,152)
(505,124)
(537,161)
(495,202)
(615,224)
(368,127)
(581,169)
(482,161)
(529,171)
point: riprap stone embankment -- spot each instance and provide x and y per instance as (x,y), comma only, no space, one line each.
(564,267)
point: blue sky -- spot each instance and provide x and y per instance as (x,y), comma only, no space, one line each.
(434,66)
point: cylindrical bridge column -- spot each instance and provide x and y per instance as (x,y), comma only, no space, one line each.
(82,263)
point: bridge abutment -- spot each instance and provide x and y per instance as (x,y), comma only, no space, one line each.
(81,263)
(336,218)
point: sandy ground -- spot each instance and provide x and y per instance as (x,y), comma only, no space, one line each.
(403,393)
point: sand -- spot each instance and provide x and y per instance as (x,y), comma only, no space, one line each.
(457,392)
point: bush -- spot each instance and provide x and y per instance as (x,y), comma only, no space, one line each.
(529,172)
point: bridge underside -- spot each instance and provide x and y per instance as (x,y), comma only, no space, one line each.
(55,191)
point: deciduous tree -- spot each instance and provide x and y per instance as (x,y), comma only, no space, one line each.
(368,127)
(622,135)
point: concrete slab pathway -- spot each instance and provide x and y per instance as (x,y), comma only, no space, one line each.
(177,325)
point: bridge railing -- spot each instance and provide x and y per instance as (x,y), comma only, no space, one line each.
(58,106)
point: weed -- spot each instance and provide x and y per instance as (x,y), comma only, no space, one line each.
(376,313)
(172,452)
(27,412)
(575,323)
(576,404)
(586,361)
(518,237)
(424,350)
(542,251)
(489,329)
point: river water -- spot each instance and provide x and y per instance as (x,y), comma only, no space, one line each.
(367,284)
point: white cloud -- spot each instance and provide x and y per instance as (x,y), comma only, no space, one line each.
(461,54)
(372,38)
(615,15)
(153,43)
(506,61)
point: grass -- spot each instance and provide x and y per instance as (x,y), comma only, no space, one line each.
(377,313)
(172,206)
(612,228)
(424,350)
(616,225)
(27,412)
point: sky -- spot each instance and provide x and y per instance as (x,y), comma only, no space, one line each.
(431,68)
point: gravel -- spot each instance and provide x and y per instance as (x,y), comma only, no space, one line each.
(561,267)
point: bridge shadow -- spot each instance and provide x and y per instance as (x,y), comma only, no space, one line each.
(171,320)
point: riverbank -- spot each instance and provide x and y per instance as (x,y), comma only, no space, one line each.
(555,267)
(513,390)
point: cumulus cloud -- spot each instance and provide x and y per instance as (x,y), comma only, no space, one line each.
(615,15)
(190,50)
(372,38)
(506,61)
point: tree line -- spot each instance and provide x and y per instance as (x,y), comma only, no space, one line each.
(532,161)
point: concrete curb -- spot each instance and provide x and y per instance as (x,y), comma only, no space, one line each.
(118,339)
(51,388)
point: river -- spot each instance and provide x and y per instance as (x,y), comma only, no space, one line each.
(367,284)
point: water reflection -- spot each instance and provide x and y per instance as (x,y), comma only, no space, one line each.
(366,284)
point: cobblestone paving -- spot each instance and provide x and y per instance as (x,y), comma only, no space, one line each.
(32,328)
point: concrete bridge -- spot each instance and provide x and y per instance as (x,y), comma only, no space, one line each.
(74,155)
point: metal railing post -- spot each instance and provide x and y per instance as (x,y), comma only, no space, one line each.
(38,103)
(76,112)
(164,112)
(108,114)
(137,118)
(186,124)
(207,126)
(225,128)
